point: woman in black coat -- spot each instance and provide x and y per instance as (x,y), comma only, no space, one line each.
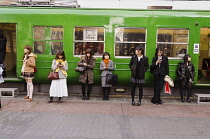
(138,66)
(186,73)
(159,69)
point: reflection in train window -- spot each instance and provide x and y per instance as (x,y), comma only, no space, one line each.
(89,37)
(48,39)
(127,39)
(173,41)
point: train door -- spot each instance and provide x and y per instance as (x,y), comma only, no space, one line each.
(9,41)
(204,57)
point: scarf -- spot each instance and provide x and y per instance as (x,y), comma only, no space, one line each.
(106,61)
(63,63)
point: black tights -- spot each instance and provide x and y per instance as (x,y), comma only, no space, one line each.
(185,86)
(88,90)
(140,85)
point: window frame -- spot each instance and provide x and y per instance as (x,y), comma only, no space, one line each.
(87,41)
(145,42)
(172,43)
(48,40)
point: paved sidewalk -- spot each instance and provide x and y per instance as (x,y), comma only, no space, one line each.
(97,119)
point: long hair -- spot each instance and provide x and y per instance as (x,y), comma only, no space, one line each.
(156,51)
(88,51)
(186,58)
(60,53)
(30,49)
(105,53)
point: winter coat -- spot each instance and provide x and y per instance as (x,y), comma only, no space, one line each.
(181,71)
(30,64)
(88,74)
(105,72)
(143,67)
(162,69)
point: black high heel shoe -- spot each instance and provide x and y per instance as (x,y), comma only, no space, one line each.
(182,100)
(139,103)
(133,103)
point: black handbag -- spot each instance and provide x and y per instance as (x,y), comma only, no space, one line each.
(111,78)
(80,69)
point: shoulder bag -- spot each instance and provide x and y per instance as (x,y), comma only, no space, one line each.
(111,78)
(80,69)
(53,75)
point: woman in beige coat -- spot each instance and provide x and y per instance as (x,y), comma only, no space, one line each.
(29,62)
(87,61)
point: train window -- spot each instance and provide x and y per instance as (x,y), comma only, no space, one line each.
(173,41)
(48,39)
(127,39)
(89,37)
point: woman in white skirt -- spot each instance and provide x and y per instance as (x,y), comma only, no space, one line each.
(58,87)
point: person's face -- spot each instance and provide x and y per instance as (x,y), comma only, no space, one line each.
(138,52)
(88,54)
(60,56)
(159,53)
(26,51)
(106,56)
(189,58)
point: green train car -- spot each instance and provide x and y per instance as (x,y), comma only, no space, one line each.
(117,31)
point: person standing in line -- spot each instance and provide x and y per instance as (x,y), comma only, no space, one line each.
(186,73)
(58,87)
(159,69)
(29,62)
(87,61)
(106,66)
(138,66)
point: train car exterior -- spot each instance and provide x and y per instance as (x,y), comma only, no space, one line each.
(116,31)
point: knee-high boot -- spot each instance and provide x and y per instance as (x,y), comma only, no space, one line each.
(88,92)
(108,92)
(83,92)
(104,93)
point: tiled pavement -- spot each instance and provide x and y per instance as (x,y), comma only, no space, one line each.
(97,119)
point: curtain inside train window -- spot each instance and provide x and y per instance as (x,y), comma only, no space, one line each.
(173,41)
(48,40)
(127,39)
(88,37)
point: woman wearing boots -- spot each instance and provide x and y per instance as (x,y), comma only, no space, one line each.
(159,69)
(29,62)
(186,73)
(87,61)
(138,66)
(58,87)
(106,66)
